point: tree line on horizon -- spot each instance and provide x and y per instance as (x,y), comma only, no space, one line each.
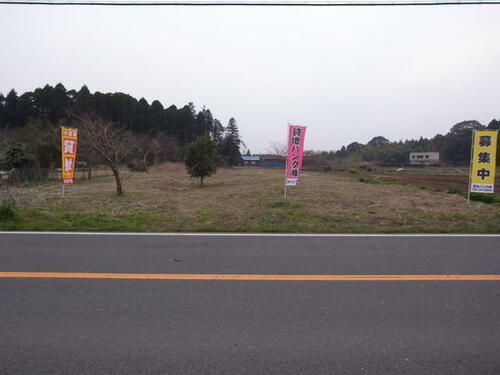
(29,127)
(454,148)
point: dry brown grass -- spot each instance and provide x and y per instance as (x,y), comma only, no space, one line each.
(167,199)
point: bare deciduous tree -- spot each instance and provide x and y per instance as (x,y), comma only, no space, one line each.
(111,143)
(277,148)
(167,149)
(145,146)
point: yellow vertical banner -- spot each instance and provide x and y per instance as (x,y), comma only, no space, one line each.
(483,163)
(68,154)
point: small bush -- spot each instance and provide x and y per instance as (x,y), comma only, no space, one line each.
(353,170)
(485,198)
(454,190)
(138,166)
(373,181)
(8,210)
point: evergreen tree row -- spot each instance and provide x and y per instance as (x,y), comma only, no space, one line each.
(54,106)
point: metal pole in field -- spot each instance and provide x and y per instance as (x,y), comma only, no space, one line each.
(62,160)
(470,165)
(286,160)
(284,194)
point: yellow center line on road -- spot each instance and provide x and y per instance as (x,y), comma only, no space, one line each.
(245,277)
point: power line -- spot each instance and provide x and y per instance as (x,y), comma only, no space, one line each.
(273,3)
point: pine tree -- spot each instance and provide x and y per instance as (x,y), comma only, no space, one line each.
(143,116)
(158,115)
(232,130)
(10,109)
(83,101)
(202,158)
(204,123)
(231,144)
(217,133)
(2,110)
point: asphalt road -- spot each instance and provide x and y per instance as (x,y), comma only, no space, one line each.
(102,326)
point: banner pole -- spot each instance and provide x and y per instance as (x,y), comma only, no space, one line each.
(62,159)
(470,165)
(286,159)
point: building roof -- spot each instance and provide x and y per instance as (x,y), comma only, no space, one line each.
(424,153)
(272,157)
(250,158)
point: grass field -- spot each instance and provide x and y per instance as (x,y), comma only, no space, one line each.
(248,200)
(448,180)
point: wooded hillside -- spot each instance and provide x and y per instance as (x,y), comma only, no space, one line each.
(29,125)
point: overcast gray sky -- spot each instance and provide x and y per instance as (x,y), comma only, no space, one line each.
(348,73)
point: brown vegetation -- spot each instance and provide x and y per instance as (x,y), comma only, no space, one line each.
(167,199)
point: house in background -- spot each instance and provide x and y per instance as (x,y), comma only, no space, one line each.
(424,158)
(250,161)
(266,161)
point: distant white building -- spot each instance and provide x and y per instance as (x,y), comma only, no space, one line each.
(424,158)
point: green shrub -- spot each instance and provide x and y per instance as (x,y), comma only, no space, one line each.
(373,181)
(353,170)
(485,198)
(8,210)
(454,190)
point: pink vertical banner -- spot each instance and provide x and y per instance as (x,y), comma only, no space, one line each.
(295,154)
